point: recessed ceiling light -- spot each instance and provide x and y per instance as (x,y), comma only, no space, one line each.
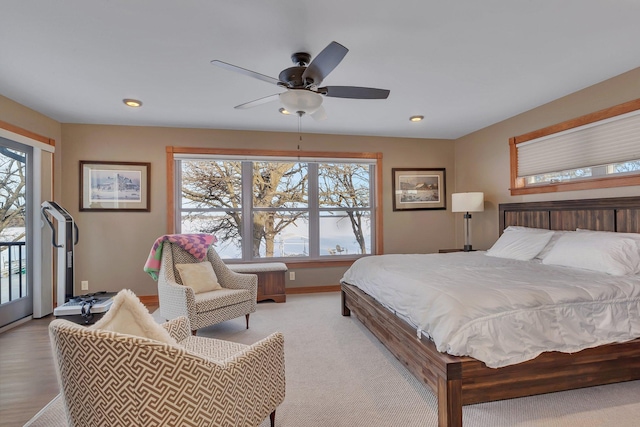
(284,111)
(132,103)
(416,118)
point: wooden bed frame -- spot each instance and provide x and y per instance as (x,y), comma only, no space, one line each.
(458,381)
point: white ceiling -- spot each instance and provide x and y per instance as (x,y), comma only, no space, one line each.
(462,64)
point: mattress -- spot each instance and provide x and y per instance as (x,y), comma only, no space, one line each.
(501,311)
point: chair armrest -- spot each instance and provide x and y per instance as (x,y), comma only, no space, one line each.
(179,328)
(176,300)
(232,280)
(261,365)
(182,386)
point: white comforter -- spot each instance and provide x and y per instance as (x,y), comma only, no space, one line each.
(501,311)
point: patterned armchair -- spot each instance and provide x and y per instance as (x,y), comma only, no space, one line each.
(109,378)
(209,308)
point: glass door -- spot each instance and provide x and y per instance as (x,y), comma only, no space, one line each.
(16,288)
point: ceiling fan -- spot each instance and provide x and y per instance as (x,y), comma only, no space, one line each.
(302,81)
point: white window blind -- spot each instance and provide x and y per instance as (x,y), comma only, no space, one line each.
(614,140)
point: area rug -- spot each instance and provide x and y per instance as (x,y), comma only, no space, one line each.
(338,374)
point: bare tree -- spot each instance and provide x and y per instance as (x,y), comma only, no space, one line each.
(276,187)
(346,185)
(630,166)
(211,184)
(12,190)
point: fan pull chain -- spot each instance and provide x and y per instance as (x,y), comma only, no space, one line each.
(300,113)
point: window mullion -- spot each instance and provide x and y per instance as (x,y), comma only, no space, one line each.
(372,203)
(314,214)
(247,211)
(177,191)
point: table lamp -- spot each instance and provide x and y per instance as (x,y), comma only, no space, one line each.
(467,202)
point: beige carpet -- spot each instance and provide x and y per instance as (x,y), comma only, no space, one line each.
(338,374)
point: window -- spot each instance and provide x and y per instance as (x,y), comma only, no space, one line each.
(625,168)
(298,208)
(594,151)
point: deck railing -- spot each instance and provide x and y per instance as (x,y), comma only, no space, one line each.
(13,283)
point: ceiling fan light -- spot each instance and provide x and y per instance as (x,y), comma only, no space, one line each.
(295,100)
(134,103)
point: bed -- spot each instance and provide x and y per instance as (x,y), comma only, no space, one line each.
(462,380)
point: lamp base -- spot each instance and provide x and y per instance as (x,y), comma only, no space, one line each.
(467,232)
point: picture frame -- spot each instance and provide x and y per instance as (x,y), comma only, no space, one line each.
(418,189)
(115,186)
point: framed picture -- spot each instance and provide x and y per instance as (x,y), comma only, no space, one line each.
(114,186)
(415,189)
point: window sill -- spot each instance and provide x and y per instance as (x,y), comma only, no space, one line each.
(621,181)
(302,263)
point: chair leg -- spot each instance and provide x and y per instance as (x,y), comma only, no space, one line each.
(272,418)
(247,316)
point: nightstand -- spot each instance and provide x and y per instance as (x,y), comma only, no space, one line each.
(446,251)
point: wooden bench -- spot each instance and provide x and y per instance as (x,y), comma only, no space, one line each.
(270,279)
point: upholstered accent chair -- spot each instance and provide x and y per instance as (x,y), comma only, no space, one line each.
(237,298)
(115,379)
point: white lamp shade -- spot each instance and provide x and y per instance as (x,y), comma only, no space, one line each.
(467,202)
(295,100)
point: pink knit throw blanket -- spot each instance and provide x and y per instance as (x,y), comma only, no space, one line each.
(196,244)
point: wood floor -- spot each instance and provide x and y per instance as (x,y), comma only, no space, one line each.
(27,374)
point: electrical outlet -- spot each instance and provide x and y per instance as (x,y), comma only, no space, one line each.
(292,275)
(84,285)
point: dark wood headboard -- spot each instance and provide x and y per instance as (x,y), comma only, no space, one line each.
(621,214)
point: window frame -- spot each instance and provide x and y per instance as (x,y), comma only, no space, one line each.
(38,259)
(518,186)
(173,182)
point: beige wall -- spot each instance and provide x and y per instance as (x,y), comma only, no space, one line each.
(28,119)
(482,158)
(114,245)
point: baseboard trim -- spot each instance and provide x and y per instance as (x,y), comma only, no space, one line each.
(149,299)
(18,322)
(312,289)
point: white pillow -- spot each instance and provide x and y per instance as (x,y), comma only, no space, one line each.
(520,244)
(199,276)
(552,242)
(128,315)
(605,252)
(634,236)
(545,251)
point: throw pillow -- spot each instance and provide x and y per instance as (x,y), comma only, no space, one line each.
(520,245)
(611,253)
(128,315)
(199,276)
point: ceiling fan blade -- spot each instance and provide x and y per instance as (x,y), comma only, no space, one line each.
(246,72)
(259,101)
(319,114)
(324,62)
(354,92)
